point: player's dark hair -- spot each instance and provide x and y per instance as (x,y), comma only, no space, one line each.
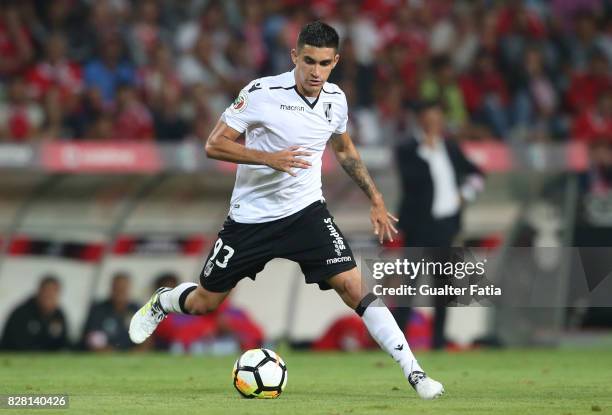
(318,34)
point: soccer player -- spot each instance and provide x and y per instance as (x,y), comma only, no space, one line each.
(277,208)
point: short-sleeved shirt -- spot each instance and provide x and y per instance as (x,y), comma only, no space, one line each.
(274,116)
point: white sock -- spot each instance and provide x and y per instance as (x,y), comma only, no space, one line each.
(383,328)
(171,300)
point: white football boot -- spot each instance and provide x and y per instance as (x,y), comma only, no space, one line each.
(145,321)
(425,387)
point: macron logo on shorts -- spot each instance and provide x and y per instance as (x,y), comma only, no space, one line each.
(338,260)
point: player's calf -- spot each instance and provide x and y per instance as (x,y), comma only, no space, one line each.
(185,298)
(202,301)
(383,328)
(190,298)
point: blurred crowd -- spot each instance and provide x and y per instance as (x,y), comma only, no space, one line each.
(39,323)
(164,70)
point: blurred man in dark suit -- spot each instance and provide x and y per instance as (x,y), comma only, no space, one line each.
(106,328)
(436,180)
(38,323)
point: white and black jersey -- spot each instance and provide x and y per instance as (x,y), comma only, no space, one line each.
(274,116)
(273,214)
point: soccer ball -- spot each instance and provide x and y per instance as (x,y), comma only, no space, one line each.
(259,373)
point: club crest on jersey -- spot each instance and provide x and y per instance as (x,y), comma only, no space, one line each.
(241,101)
(208,268)
(327,106)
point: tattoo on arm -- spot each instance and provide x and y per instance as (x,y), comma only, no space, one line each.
(355,168)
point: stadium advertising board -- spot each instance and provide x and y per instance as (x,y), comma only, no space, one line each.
(101,157)
(16,156)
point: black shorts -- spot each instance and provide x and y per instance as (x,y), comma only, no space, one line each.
(309,237)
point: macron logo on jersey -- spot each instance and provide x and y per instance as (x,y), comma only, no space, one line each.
(292,107)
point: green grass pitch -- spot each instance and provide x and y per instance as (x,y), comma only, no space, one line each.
(541,382)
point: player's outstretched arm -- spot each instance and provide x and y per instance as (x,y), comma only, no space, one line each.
(221,145)
(351,162)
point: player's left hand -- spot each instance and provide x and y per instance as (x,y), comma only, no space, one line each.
(382,221)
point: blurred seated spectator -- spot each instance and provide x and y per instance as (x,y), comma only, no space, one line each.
(392,118)
(354,76)
(55,72)
(20,117)
(38,323)
(107,324)
(582,42)
(442,86)
(146,33)
(605,40)
(57,83)
(16,46)
(346,333)
(488,36)
(101,128)
(597,181)
(200,129)
(516,17)
(517,28)
(457,36)
(133,119)
(93,22)
(85,113)
(59,16)
(110,70)
(160,75)
(398,64)
(358,26)
(595,123)
(55,120)
(223,331)
(197,107)
(206,65)
(536,100)
(486,96)
(170,124)
(585,86)
(208,17)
